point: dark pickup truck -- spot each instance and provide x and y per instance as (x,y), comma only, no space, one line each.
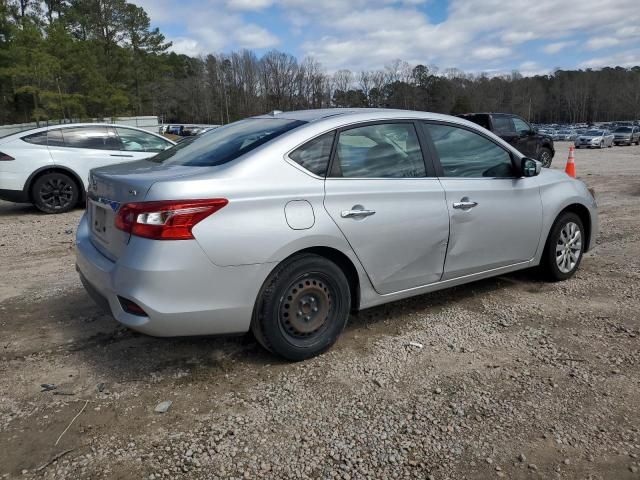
(517,132)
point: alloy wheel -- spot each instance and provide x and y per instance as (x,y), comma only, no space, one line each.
(568,247)
(56,193)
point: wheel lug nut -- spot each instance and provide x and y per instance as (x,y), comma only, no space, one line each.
(315,309)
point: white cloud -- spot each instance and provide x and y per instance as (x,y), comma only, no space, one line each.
(249,4)
(476,35)
(553,48)
(597,43)
(490,53)
(622,59)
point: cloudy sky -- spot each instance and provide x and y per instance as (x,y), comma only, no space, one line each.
(533,36)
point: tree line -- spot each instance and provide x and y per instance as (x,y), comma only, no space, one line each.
(74,59)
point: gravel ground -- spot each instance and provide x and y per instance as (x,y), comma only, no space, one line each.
(505,378)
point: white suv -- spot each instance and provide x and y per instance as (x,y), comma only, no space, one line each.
(49,166)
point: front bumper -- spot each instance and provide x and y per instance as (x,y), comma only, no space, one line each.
(174,282)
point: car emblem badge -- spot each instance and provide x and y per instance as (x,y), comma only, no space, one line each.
(133,192)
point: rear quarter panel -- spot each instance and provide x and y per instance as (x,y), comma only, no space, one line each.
(28,158)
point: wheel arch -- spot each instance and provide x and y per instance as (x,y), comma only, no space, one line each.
(583,213)
(340,259)
(54,169)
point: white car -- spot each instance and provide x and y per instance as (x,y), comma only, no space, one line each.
(49,166)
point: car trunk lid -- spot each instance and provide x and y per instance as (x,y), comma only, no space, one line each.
(111,187)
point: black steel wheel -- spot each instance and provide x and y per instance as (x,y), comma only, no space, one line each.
(302,308)
(55,193)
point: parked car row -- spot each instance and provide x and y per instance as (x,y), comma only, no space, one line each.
(185,130)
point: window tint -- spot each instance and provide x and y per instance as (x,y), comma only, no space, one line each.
(36,138)
(98,138)
(314,155)
(503,125)
(226,143)
(137,141)
(523,127)
(54,138)
(384,150)
(466,154)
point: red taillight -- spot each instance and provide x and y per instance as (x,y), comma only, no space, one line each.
(166,220)
(5,158)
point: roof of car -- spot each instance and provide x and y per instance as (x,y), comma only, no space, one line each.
(357,114)
(30,131)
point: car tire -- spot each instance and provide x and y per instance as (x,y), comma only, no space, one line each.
(601,145)
(302,308)
(55,192)
(545,156)
(564,250)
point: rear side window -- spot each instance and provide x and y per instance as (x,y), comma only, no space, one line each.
(95,138)
(137,141)
(227,143)
(36,138)
(386,150)
(464,153)
(314,155)
(54,138)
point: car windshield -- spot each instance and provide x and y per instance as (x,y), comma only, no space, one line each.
(623,130)
(565,132)
(225,143)
(594,133)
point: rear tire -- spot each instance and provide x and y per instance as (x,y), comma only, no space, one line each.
(564,248)
(55,192)
(302,308)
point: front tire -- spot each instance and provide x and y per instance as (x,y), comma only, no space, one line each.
(564,248)
(302,308)
(55,192)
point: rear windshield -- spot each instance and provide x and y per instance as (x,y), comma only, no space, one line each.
(225,143)
(623,129)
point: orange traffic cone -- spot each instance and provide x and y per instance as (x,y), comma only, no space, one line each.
(570,169)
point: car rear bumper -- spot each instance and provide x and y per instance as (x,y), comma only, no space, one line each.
(174,282)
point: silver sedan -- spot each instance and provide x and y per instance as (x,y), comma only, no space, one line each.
(283,224)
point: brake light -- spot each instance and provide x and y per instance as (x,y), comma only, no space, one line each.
(166,220)
(5,158)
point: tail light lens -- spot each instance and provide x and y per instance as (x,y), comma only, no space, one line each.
(5,158)
(165,220)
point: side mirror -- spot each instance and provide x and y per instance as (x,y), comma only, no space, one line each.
(530,167)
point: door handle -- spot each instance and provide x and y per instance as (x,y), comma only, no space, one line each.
(356,213)
(115,155)
(464,204)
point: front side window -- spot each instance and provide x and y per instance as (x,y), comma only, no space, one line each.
(95,138)
(464,153)
(227,143)
(503,125)
(314,155)
(522,127)
(137,141)
(386,150)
